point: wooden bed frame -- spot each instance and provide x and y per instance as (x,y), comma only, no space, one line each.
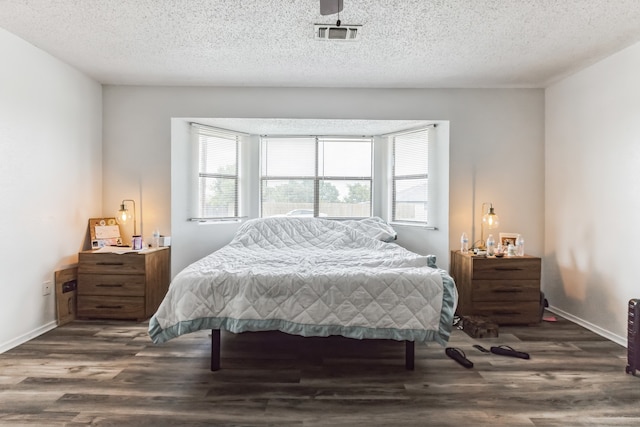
(409,353)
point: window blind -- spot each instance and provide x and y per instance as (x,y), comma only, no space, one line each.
(316,176)
(217,192)
(410,176)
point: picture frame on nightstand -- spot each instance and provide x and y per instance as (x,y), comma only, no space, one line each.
(507,239)
(104,232)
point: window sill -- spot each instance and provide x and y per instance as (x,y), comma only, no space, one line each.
(206,221)
(413,225)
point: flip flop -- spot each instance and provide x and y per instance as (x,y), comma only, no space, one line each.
(505,350)
(459,356)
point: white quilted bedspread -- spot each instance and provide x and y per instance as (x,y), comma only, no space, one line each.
(306,276)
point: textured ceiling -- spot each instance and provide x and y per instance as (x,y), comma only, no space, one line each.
(404,43)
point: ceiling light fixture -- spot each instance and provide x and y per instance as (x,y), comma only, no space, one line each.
(338,31)
(333,32)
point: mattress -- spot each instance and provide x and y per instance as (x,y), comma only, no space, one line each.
(311,277)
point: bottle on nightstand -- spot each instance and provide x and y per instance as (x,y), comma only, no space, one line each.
(519,245)
(155,239)
(491,245)
(464,243)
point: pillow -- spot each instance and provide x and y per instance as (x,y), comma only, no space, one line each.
(373,227)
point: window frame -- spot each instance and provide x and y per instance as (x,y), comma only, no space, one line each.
(319,177)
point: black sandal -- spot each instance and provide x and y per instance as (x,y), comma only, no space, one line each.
(459,356)
(505,350)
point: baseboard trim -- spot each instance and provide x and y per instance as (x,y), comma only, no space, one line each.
(590,326)
(28,336)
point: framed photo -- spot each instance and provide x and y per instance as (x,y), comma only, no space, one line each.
(507,239)
(104,232)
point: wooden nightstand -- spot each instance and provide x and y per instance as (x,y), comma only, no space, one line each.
(122,286)
(506,290)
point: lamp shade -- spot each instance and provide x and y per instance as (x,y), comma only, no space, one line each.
(490,219)
(124,215)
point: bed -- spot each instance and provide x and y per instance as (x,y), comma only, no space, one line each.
(311,277)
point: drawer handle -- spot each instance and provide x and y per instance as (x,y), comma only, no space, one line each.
(109,306)
(507,291)
(110,285)
(109,263)
(508,269)
(504,312)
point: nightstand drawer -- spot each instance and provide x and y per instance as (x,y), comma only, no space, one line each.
(111,307)
(506,290)
(111,284)
(506,268)
(100,263)
(517,312)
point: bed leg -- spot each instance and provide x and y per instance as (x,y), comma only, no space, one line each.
(215,349)
(409,355)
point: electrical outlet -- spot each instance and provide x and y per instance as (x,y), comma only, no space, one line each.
(46,288)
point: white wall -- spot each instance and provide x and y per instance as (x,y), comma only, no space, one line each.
(50,179)
(496,151)
(593,192)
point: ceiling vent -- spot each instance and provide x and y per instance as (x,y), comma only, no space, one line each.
(340,33)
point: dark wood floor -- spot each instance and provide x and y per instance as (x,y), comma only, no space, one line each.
(109,373)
